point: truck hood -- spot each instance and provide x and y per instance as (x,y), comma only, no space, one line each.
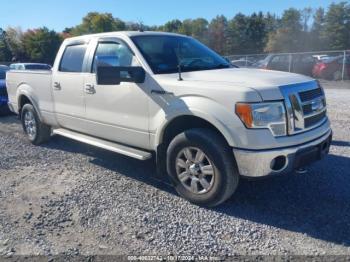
(265,82)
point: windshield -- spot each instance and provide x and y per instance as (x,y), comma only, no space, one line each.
(165,53)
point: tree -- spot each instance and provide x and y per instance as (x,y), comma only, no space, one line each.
(218,34)
(197,28)
(236,33)
(289,37)
(279,41)
(318,21)
(171,26)
(200,29)
(317,39)
(95,22)
(272,22)
(243,34)
(5,52)
(13,39)
(256,33)
(305,16)
(41,45)
(337,26)
(291,20)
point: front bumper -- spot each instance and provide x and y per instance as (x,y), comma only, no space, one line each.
(260,163)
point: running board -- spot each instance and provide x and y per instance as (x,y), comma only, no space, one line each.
(114,147)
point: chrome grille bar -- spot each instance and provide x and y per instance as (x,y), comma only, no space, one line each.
(305,106)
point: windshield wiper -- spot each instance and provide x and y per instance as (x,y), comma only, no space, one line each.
(221,66)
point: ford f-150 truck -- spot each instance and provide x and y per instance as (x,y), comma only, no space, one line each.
(207,122)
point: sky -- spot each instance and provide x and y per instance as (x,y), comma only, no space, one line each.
(59,14)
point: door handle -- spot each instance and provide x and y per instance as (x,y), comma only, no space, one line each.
(57,86)
(89,89)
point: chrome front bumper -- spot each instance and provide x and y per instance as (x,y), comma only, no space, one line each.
(259,163)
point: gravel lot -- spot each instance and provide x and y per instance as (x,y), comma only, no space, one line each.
(70,198)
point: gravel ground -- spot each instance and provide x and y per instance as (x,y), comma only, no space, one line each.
(70,198)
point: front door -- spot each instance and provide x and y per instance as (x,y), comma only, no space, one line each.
(116,112)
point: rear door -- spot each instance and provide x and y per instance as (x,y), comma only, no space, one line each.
(67,85)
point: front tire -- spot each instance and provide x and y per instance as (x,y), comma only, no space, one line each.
(36,131)
(202,167)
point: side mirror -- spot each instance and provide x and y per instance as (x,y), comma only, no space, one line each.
(114,75)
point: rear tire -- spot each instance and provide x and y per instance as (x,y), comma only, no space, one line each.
(37,132)
(202,167)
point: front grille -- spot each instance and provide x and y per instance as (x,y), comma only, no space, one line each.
(313,120)
(307,109)
(306,106)
(310,94)
(3,92)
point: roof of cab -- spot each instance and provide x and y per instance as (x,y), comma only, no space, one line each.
(119,33)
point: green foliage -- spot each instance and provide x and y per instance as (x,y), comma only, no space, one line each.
(13,38)
(247,34)
(97,23)
(336,28)
(291,20)
(5,52)
(243,34)
(289,37)
(317,39)
(218,31)
(197,28)
(172,26)
(41,45)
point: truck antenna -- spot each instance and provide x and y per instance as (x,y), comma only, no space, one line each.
(179,63)
(140,25)
(179,71)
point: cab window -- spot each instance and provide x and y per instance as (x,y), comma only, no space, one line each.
(112,54)
(73,58)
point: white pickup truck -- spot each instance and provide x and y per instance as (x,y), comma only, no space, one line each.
(207,122)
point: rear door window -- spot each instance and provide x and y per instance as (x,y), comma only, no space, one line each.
(73,58)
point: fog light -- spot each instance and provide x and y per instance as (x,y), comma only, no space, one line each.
(278,163)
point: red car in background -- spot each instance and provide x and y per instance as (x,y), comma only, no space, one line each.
(332,68)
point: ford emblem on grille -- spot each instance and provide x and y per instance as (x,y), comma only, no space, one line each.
(305,106)
(317,105)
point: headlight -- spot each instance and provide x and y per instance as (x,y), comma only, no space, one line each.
(264,115)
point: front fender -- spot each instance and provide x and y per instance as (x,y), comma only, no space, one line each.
(221,117)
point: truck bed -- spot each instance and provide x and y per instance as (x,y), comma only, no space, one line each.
(37,85)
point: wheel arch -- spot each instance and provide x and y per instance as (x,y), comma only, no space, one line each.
(24,97)
(180,123)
